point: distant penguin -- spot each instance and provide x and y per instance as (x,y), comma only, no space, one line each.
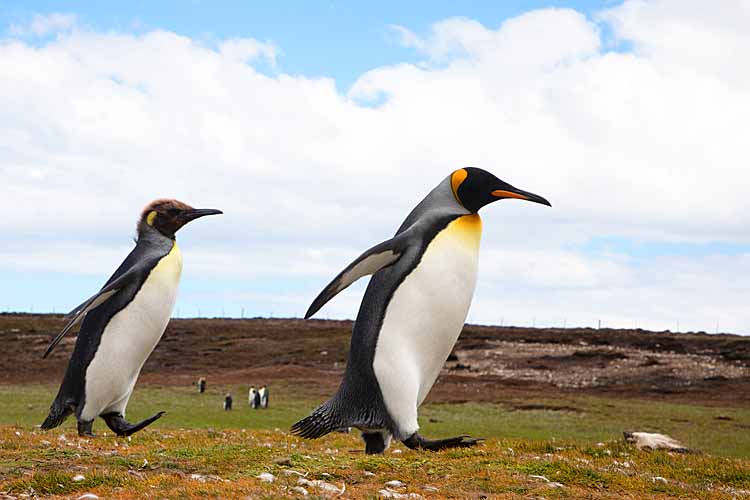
(263,395)
(411,315)
(122,324)
(253,397)
(228,402)
(202,385)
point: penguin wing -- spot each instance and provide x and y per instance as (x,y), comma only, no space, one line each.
(373,260)
(77,314)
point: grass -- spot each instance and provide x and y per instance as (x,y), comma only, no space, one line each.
(197,450)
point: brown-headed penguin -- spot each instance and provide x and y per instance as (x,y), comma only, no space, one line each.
(122,323)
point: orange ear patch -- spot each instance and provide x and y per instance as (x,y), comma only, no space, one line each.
(457,178)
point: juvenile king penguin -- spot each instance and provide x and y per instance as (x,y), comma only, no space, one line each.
(122,323)
(411,315)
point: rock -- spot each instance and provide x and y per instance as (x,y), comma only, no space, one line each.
(368,473)
(431,489)
(397,451)
(266,477)
(88,496)
(205,478)
(658,479)
(323,486)
(654,441)
(289,472)
(299,489)
(78,478)
(394,484)
(283,461)
(551,484)
(394,494)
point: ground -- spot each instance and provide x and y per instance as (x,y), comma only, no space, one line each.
(551,403)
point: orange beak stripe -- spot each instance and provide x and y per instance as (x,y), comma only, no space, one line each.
(508,194)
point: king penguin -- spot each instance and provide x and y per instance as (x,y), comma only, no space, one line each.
(122,323)
(412,313)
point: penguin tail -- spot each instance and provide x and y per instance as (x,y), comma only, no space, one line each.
(319,423)
(58,412)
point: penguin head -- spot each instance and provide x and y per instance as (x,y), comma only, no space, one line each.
(168,216)
(475,188)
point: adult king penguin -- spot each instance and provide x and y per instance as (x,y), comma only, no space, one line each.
(122,323)
(411,315)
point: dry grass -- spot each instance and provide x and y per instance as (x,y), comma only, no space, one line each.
(180,463)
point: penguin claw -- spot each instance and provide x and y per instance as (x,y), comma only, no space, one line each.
(123,428)
(415,441)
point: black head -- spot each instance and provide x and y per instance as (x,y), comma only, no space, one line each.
(168,216)
(475,188)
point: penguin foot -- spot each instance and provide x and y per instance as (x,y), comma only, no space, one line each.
(417,442)
(376,442)
(86,429)
(121,427)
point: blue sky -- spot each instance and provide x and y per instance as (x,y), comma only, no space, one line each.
(266,111)
(340,40)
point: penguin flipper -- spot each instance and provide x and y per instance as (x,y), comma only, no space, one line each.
(77,314)
(370,262)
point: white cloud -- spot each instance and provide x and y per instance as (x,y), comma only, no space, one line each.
(248,49)
(42,25)
(649,144)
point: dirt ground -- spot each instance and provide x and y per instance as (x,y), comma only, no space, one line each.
(488,364)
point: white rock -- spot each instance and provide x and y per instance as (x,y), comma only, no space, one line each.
(266,477)
(658,479)
(394,484)
(323,486)
(654,441)
(78,478)
(88,496)
(368,473)
(397,451)
(431,489)
(299,489)
(394,494)
(289,472)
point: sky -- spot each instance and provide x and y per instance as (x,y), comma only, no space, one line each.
(317,126)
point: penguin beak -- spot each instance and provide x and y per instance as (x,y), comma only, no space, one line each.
(195,213)
(511,192)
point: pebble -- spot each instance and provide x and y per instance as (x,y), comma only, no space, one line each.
(266,477)
(368,473)
(394,484)
(78,478)
(393,494)
(659,479)
(322,485)
(289,472)
(302,491)
(88,496)
(283,461)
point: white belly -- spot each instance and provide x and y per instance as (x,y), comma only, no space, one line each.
(129,339)
(424,319)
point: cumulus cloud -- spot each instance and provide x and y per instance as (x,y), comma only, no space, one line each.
(647,144)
